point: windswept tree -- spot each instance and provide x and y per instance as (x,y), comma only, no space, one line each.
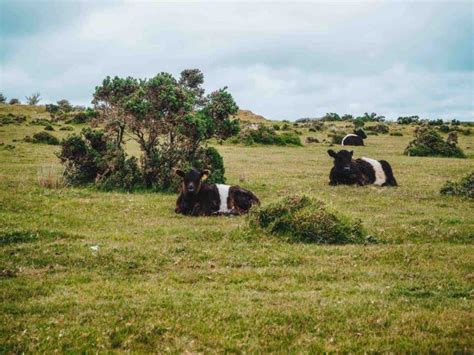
(34,99)
(109,100)
(3,99)
(64,106)
(170,119)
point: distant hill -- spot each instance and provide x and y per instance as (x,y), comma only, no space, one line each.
(249,116)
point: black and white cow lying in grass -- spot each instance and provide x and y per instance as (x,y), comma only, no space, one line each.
(362,171)
(354,139)
(200,199)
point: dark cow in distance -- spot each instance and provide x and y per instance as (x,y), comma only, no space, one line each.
(362,171)
(198,198)
(354,139)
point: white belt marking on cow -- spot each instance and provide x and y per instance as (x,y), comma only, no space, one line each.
(349,135)
(223,195)
(380,177)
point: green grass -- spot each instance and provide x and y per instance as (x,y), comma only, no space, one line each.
(169,283)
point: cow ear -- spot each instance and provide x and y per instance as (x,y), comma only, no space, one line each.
(179,172)
(204,174)
(332,153)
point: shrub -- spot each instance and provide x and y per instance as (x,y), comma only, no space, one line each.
(285,127)
(91,158)
(276,127)
(303,219)
(444,128)
(312,140)
(3,98)
(438,122)
(49,128)
(42,138)
(268,136)
(34,99)
(396,134)
(464,187)
(66,128)
(14,101)
(312,129)
(11,119)
(40,122)
(408,119)
(466,132)
(428,142)
(379,128)
(337,137)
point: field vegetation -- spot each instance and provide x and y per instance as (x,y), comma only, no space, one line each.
(83,269)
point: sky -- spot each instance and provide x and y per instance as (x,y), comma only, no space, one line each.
(283,60)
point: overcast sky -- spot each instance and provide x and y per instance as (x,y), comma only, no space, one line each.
(283,60)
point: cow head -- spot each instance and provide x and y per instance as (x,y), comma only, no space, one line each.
(342,160)
(360,132)
(192,180)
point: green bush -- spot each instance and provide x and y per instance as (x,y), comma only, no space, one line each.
(337,137)
(444,128)
(396,134)
(66,128)
(91,158)
(312,140)
(268,136)
(49,128)
(42,138)
(378,128)
(428,143)
(276,127)
(40,122)
(303,219)
(464,187)
(10,118)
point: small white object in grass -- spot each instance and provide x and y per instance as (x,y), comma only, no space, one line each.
(95,247)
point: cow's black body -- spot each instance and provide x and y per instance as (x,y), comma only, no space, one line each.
(205,200)
(348,171)
(354,139)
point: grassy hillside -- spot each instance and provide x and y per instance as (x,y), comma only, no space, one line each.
(82,269)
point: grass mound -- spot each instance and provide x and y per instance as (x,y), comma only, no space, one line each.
(464,187)
(428,143)
(303,219)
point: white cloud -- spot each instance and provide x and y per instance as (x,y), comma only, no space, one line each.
(280,59)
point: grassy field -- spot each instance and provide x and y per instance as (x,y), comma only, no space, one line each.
(88,270)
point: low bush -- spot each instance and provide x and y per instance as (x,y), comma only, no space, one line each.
(268,136)
(11,119)
(337,137)
(285,127)
(303,219)
(444,128)
(49,128)
(90,158)
(428,142)
(276,127)
(378,128)
(42,138)
(396,134)
(40,122)
(312,140)
(66,128)
(464,187)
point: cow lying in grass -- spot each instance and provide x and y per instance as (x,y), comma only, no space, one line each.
(362,171)
(200,199)
(354,139)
